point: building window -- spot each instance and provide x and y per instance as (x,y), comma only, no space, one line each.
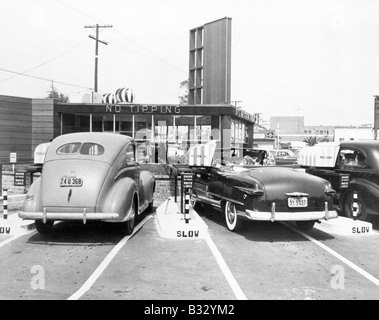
(143,127)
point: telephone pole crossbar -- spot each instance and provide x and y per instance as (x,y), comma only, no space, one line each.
(96,38)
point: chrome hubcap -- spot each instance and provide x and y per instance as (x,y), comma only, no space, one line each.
(231,213)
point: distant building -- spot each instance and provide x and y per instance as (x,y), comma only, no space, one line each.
(344,133)
(319,130)
(290,131)
(287,124)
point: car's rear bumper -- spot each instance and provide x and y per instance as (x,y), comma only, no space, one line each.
(78,216)
(291,216)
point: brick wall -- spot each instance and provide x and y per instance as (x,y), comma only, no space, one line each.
(164,177)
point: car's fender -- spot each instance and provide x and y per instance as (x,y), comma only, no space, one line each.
(366,189)
(147,185)
(119,198)
(33,199)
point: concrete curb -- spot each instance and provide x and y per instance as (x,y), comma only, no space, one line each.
(346,226)
(15,226)
(172,225)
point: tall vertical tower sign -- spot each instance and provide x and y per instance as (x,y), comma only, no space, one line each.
(210,63)
(376,117)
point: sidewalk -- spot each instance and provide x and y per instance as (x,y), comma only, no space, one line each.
(14,225)
(15,202)
(172,224)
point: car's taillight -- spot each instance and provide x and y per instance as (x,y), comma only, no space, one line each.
(252,192)
(330,192)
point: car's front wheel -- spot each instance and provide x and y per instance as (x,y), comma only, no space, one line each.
(231,217)
(44,228)
(305,225)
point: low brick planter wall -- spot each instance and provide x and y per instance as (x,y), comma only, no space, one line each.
(164,177)
(165,181)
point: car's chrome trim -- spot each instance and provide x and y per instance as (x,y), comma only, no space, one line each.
(297,194)
(290,216)
(227,199)
(84,216)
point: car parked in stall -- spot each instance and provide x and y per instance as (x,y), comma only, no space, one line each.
(284,156)
(90,176)
(353,169)
(263,193)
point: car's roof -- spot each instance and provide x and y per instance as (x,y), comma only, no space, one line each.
(111,142)
(361,143)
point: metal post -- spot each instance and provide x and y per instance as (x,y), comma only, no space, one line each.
(5,204)
(186,208)
(181,195)
(1,177)
(96,56)
(175,188)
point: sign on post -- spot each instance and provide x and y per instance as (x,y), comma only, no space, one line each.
(187,183)
(187,180)
(13,157)
(19,179)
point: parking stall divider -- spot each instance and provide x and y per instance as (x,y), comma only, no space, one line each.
(336,255)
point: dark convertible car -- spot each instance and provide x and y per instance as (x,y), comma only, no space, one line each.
(264,193)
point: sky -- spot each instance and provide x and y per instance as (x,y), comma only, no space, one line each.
(314,58)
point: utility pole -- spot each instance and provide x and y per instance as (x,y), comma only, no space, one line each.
(97,47)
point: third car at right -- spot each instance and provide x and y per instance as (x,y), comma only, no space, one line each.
(352,167)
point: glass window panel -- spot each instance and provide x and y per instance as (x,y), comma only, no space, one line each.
(108,123)
(163,126)
(143,127)
(92,149)
(97,122)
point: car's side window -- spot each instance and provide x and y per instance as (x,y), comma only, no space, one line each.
(69,148)
(352,158)
(130,153)
(92,149)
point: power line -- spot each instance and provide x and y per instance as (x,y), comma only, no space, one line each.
(44,79)
(46,62)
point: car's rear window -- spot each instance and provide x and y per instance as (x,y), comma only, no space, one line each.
(87,148)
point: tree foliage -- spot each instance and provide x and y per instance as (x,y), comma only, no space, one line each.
(54,94)
(183,95)
(324,139)
(310,141)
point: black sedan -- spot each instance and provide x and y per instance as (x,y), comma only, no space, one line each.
(353,169)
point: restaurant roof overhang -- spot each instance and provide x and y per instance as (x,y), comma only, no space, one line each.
(159,109)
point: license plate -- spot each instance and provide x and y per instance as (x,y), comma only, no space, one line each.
(71,182)
(298,202)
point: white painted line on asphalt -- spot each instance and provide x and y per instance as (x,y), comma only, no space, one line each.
(337,255)
(104,264)
(225,269)
(3,243)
